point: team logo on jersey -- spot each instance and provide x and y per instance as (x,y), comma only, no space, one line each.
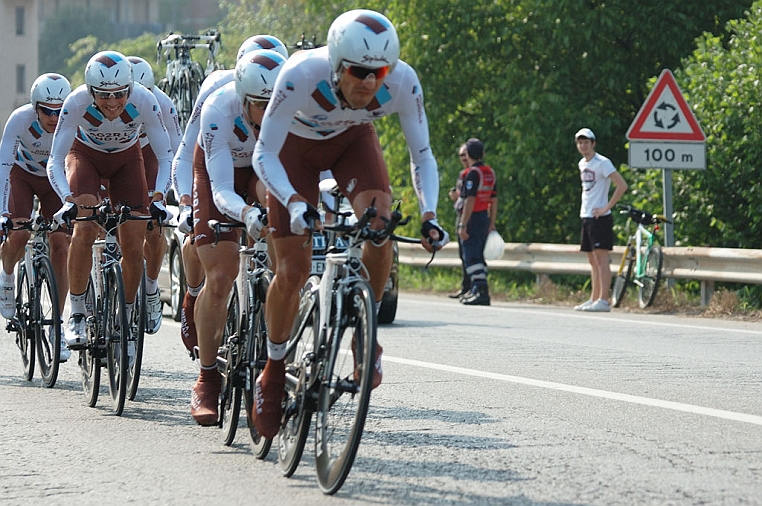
(240,130)
(324,96)
(35,130)
(129,114)
(93,116)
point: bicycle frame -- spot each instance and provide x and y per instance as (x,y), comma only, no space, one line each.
(640,265)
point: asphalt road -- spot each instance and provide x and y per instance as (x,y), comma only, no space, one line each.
(509,404)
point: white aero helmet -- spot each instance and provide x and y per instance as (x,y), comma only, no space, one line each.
(49,89)
(262,42)
(142,71)
(108,70)
(363,37)
(255,74)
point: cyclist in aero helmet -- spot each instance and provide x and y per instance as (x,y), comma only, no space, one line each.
(98,139)
(155,245)
(24,152)
(182,178)
(327,99)
(224,185)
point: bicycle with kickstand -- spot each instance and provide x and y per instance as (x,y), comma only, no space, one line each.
(37,322)
(114,338)
(642,259)
(185,75)
(331,354)
(243,353)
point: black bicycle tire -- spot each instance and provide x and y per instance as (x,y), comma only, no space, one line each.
(255,357)
(230,394)
(652,276)
(116,331)
(138,326)
(623,278)
(48,350)
(293,434)
(334,467)
(90,357)
(25,339)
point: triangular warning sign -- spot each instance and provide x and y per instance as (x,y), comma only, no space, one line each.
(665,115)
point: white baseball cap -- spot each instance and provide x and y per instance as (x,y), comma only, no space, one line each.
(586,133)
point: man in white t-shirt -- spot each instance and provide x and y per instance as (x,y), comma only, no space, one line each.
(597,173)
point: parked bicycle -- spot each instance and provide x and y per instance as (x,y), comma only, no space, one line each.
(185,75)
(331,354)
(642,259)
(37,322)
(114,339)
(243,353)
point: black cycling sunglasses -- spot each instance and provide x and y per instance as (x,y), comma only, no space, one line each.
(49,111)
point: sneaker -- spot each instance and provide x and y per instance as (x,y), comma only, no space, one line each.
(75,330)
(205,397)
(7,301)
(187,323)
(478,297)
(599,306)
(267,410)
(581,307)
(153,312)
(457,295)
(378,371)
(65,352)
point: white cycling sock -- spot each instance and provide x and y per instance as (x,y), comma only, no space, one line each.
(77,303)
(152,285)
(7,278)
(276,351)
(195,290)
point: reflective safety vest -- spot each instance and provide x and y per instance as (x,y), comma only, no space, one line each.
(486,190)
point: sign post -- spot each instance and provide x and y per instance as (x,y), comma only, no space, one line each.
(666,135)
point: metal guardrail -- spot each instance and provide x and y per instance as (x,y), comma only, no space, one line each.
(707,265)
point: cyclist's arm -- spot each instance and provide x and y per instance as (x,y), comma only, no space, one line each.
(423,165)
(9,145)
(158,138)
(63,138)
(171,121)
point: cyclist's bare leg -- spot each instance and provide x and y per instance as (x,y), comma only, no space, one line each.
(131,237)
(194,271)
(59,249)
(80,249)
(154,249)
(377,259)
(293,262)
(220,265)
(12,249)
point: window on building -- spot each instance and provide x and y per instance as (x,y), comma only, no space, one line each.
(20,20)
(21,79)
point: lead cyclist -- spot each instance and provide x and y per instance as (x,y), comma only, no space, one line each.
(320,118)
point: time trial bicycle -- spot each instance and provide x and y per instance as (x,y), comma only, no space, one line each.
(37,322)
(642,258)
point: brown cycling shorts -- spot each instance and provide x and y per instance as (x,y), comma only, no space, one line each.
(24,186)
(354,156)
(204,209)
(124,171)
(151,163)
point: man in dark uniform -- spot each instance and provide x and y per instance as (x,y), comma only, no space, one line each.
(479,192)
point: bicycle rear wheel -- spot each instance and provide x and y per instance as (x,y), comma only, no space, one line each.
(47,322)
(345,386)
(22,322)
(230,393)
(255,356)
(651,277)
(623,277)
(137,338)
(117,332)
(90,357)
(301,366)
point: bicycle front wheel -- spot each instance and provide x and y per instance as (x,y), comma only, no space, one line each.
(230,393)
(346,383)
(136,339)
(117,336)
(47,322)
(255,356)
(300,367)
(22,322)
(623,277)
(649,283)
(90,357)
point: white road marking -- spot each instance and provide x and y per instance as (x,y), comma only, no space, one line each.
(634,399)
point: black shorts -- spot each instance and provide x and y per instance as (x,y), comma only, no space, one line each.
(597,233)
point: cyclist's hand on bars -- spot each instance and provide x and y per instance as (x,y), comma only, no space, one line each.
(185,220)
(301,213)
(435,237)
(5,225)
(67,213)
(160,213)
(254,223)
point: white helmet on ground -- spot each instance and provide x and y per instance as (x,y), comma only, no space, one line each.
(255,74)
(49,89)
(142,71)
(262,42)
(365,38)
(108,70)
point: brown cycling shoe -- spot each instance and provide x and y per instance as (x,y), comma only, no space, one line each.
(378,372)
(205,397)
(268,399)
(187,322)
